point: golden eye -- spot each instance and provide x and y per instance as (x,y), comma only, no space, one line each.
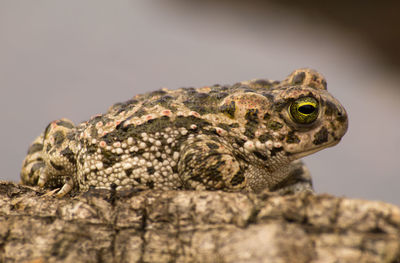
(304,110)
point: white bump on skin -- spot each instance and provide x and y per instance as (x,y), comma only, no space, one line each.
(99,165)
(249,145)
(130,141)
(184,131)
(175,156)
(260,146)
(146,155)
(269,144)
(142,145)
(126,166)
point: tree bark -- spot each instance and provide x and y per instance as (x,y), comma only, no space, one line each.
(194,226)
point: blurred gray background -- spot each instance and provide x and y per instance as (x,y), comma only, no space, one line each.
(75,58)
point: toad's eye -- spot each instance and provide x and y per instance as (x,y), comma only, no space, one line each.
(304,110)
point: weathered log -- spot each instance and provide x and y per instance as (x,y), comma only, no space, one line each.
(194,226)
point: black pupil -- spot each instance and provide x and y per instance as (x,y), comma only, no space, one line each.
(307,109)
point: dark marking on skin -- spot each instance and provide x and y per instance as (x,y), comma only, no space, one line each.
(341,117)
(238,178)
(201,96)
(187,89)
(128,172)
(196,106)
(250,131)
(48,148)
(93,131)
(70,136)
(239,141)
(150,184)
(65,124)
(91,149)
(123,106)
(186,122)
(46,131)
(224,126)
(212,145)
(243,87)
(274,125)
(265,137)
(279,106)
(269,96)
(252,115)
(157,92)
(229,109)
(188,157)
(324,84)
(234,125)
(152,126)
(150,170)
(274,151)
(36,147)
(221,95)
(58,138)
(164,99)
(252,123)
(57,167)
(140,112)
(260,155)
(263,82)
(292,138)
(321,136)
(35,167)
(248,90)
(138,153)
(67,153)
(81,160)
(109,159)
(299,78)
(266,116)
(330,108)
(138,179)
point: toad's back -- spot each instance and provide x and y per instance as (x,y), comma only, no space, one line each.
(245,136)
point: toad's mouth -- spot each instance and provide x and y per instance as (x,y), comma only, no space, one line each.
(313,150)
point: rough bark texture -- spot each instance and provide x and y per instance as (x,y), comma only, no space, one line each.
(191,226)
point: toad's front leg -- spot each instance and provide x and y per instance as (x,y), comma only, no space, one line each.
(208,163)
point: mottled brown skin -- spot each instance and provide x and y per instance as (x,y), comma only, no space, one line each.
(248,136)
